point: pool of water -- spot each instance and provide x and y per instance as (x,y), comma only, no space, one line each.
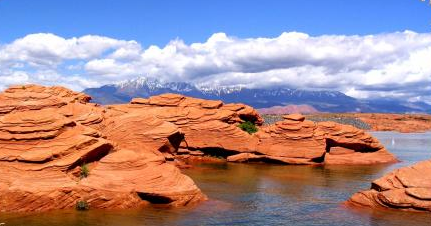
(262,194)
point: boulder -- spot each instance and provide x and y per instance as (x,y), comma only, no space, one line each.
(294,117)
(407,188)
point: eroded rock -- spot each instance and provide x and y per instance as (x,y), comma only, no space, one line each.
(299,141)
(407,188)
(212,127)
(48,133)
(207,124)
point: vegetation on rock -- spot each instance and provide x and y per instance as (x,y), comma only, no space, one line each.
(248,126)
(82,205)
(84,171)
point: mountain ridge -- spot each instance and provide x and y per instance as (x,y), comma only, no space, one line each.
(324,101)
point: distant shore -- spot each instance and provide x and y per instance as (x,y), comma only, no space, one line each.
(404,123)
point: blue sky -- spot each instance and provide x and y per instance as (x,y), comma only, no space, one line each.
(159,21)
(364,48)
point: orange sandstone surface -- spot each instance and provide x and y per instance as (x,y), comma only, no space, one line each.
(132,150)
(47,133)
(407,188)
(211,127)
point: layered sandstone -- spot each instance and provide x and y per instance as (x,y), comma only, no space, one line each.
(212,127)
(408,188)
(34,97)
(299,141)
(48,133)
(207,124)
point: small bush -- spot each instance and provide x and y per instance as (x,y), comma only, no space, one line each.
(82,205)
(248,126)
(84,171)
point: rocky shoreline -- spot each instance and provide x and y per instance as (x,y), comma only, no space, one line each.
(404,123)
(59,150)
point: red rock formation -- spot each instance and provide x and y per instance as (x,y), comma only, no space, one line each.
(207,124)
(47,133)
(34,97)
(211,127)
(408,188)
(299,141)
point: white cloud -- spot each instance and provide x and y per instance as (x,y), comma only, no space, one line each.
(13,77)
(384,65)
(49,50)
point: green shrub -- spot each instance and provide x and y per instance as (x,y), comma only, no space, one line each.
(248,126)
(84,171)
(82,205)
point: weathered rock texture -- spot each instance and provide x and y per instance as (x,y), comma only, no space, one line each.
(211,127)
(299,141)
(207,124)
(48,133)
(408,188)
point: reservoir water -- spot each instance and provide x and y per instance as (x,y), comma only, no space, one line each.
(262,194)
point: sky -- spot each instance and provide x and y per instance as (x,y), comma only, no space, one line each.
(366,48)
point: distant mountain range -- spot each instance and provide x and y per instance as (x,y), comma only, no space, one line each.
(324,101)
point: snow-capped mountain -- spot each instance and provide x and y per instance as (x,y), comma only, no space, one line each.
(327,101)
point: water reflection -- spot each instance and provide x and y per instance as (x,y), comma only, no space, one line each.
(261,194)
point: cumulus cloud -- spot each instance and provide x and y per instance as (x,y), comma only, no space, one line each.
(383,65)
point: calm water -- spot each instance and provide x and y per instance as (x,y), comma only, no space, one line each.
(258,194)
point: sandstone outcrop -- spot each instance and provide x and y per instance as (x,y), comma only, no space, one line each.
(299,141)
(50,136)
(34,97)
(48,133)
(212,127)
(407,188)
(207,124)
